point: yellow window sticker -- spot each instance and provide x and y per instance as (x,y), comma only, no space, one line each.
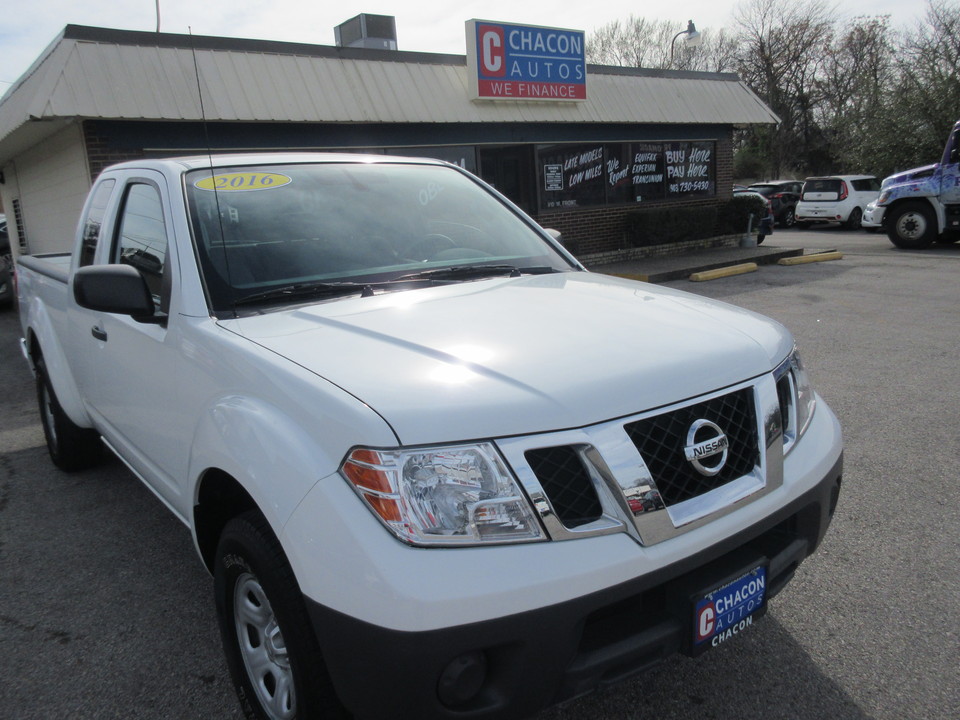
(243,181)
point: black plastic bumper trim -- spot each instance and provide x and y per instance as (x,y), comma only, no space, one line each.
(544,656)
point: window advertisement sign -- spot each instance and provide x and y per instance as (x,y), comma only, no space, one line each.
(579,175)
(690,169)
(571,176)
(647,172)
(524,62)
(618,166)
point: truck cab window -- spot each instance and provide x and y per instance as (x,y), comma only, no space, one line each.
(93,222)
(142,239)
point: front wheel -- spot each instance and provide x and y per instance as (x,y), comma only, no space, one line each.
(911,226)
(854,220)
(274,658)
(70,446)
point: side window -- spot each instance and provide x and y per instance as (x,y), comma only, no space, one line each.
(142,237)
(94,220)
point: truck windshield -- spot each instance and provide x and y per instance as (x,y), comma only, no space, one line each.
(260,228)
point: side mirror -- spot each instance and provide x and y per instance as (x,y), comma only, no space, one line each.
(555,234)
(118,289)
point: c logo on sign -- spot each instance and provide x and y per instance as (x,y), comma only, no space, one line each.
(492,54)
(706,621)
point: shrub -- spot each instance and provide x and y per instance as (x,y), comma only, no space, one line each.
(733,215)
(661,226)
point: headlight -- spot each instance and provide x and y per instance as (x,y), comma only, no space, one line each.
(884,196)
(806,400)
(797,399)
(451,495)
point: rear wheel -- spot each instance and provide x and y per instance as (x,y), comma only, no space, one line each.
(788,219)
(270,645)
(911,226)
(71,447)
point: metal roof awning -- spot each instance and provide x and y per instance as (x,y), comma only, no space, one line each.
(96,73)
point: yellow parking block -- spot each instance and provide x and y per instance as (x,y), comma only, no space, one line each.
(723,272)
(816,257)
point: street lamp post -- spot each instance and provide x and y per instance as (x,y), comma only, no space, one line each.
(692,40)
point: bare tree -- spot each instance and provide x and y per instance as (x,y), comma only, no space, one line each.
(856,96)
(927,101)
(854,91)
(781,49)
(638,42)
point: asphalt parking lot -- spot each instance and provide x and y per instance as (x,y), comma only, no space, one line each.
(105,611)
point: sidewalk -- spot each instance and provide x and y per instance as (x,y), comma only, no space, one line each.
(676,267)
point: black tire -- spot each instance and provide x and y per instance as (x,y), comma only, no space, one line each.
(911,226)
(788,219)
(263,618)
(71,447)
(854,220)
(760,239)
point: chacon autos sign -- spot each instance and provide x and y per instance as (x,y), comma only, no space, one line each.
(523,62)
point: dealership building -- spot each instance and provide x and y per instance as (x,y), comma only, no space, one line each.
(576,146)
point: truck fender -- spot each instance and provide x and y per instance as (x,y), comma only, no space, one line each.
(939,211)
(45,342)
(266,451)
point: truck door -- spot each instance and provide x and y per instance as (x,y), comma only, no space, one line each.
(132,365)
(950,164)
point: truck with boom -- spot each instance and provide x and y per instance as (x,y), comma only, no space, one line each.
(920,206)
(435,467)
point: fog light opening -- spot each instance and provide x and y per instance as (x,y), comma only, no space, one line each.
(462,680)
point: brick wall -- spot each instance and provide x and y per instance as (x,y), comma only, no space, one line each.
(99,152)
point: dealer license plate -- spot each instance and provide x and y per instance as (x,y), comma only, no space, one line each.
(722,614)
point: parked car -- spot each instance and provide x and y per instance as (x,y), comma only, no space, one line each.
(6,265)
(784,196)
(765,226)
(836,199)
(872,218)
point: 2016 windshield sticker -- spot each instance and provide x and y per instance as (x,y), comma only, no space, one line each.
(243,182)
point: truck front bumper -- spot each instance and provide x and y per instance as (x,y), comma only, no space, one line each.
(513,666)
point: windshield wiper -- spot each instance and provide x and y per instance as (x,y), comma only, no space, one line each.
(305,290)
(470,272)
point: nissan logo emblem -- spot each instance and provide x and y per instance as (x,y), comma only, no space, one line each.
(705,442)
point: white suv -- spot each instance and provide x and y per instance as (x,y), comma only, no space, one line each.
(838,198)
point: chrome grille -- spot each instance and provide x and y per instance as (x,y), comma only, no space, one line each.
(661,439)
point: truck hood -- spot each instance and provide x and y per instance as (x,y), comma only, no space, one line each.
(917,173)
(512,356)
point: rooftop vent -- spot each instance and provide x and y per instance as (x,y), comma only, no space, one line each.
(378,32)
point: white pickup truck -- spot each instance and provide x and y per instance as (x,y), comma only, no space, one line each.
(436,468)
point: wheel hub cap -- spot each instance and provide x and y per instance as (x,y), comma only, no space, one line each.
(263,649)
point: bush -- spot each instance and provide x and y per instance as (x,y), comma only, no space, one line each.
(732,217)
(661,226)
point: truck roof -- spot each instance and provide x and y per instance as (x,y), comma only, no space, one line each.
(194,162)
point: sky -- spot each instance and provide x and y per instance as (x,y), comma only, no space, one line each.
(421,26)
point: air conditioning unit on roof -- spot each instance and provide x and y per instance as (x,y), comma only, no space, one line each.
(378,32)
